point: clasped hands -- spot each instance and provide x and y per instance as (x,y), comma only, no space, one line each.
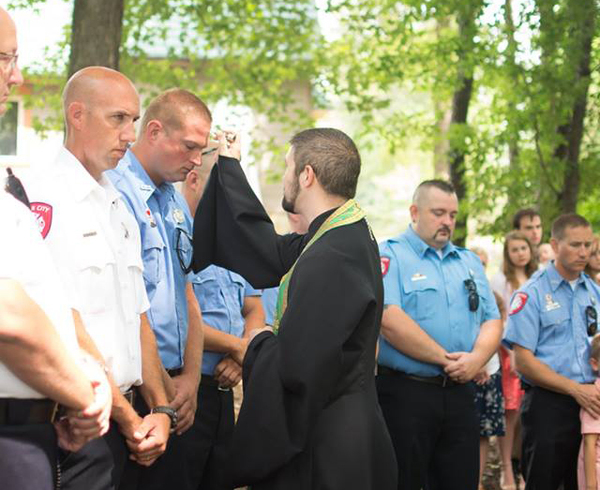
(77,427)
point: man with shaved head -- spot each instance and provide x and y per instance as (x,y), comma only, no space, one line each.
(173,133)
(440,326)
(38,346)
(96,244)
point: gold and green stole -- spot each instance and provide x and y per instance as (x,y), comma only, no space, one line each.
(347,214)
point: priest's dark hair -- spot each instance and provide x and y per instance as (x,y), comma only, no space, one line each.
(569,220)
(332,155)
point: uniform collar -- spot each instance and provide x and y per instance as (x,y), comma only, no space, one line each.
(82,184)
(556,279)
(144,182)
(420,246)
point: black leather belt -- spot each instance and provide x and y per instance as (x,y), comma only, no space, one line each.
(24,411)
(174,372)
(208,380)
(443,381)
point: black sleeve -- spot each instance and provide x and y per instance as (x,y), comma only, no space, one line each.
(290,378)
(233,230)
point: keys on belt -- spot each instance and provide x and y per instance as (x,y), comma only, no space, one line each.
(441,380)
(25,411)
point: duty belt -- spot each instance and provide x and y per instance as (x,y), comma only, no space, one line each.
(25,411)
(443,381)
(174,372)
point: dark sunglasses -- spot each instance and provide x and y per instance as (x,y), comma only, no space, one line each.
(184,249)
(592,326)
(473,296)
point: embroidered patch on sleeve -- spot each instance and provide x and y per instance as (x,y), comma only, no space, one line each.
(43,216)
(385,265)
(518,302)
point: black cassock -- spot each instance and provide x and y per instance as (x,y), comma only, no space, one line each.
(310,417)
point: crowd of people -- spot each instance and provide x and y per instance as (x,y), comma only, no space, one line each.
(129,311)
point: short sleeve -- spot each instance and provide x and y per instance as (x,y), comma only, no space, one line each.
(589,425)
(250,291)
(523,324)
(390,270)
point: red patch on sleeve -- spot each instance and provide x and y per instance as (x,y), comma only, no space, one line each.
(385,265)
(43,216)
(518,302)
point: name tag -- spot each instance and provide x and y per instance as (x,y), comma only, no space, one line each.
(89,234)
(418,277)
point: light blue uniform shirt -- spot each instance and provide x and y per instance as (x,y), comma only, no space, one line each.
(548,318)
(269,302)
(160,213)
(432,292)
(221,294)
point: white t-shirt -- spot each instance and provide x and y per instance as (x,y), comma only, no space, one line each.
(96,245)
(25,258)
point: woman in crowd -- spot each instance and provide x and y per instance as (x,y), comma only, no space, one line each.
(518,266)
(593,267)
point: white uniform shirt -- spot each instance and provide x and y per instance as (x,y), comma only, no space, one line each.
(95,243)
(25,258)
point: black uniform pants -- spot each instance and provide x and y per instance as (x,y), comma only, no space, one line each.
(435,433)
(197,459)
(96,466)
(551,438)
(27,457)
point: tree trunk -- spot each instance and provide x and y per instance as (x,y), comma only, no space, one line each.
(96,34)
(513,138)
(572,131)
(443,114)
(460,110)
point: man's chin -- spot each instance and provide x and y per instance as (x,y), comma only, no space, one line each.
(287,206)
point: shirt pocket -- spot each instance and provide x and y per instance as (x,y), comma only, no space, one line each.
(420,298)
(208,290)
(153,257)
(95,273)
(555,326)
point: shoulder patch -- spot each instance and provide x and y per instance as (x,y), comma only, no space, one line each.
(43,216)
(385,265)
(518,302)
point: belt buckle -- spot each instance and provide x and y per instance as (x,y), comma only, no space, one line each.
(222,388)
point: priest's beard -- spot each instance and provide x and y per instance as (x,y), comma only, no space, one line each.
(288,203)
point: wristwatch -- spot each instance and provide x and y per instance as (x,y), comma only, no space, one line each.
(169,411)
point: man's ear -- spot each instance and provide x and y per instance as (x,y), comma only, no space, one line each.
(554,245)
(153,129)
(307,177)
(75,115)
(414,212)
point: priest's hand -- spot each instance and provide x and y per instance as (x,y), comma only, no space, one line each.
(228,373)
(229,144)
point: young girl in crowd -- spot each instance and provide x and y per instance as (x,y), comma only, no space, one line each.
(518,266)
(593,267)
(588,471)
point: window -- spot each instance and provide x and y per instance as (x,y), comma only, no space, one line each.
(8,129)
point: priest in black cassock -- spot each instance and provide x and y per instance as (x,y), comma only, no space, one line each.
(310,417)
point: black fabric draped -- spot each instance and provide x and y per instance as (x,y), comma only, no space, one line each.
(310,417)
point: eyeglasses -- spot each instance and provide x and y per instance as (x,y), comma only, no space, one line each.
(184,249)
(11,60)
(473,296)
(592,326)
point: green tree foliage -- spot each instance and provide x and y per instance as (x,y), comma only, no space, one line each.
(529,137)
(245,52)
